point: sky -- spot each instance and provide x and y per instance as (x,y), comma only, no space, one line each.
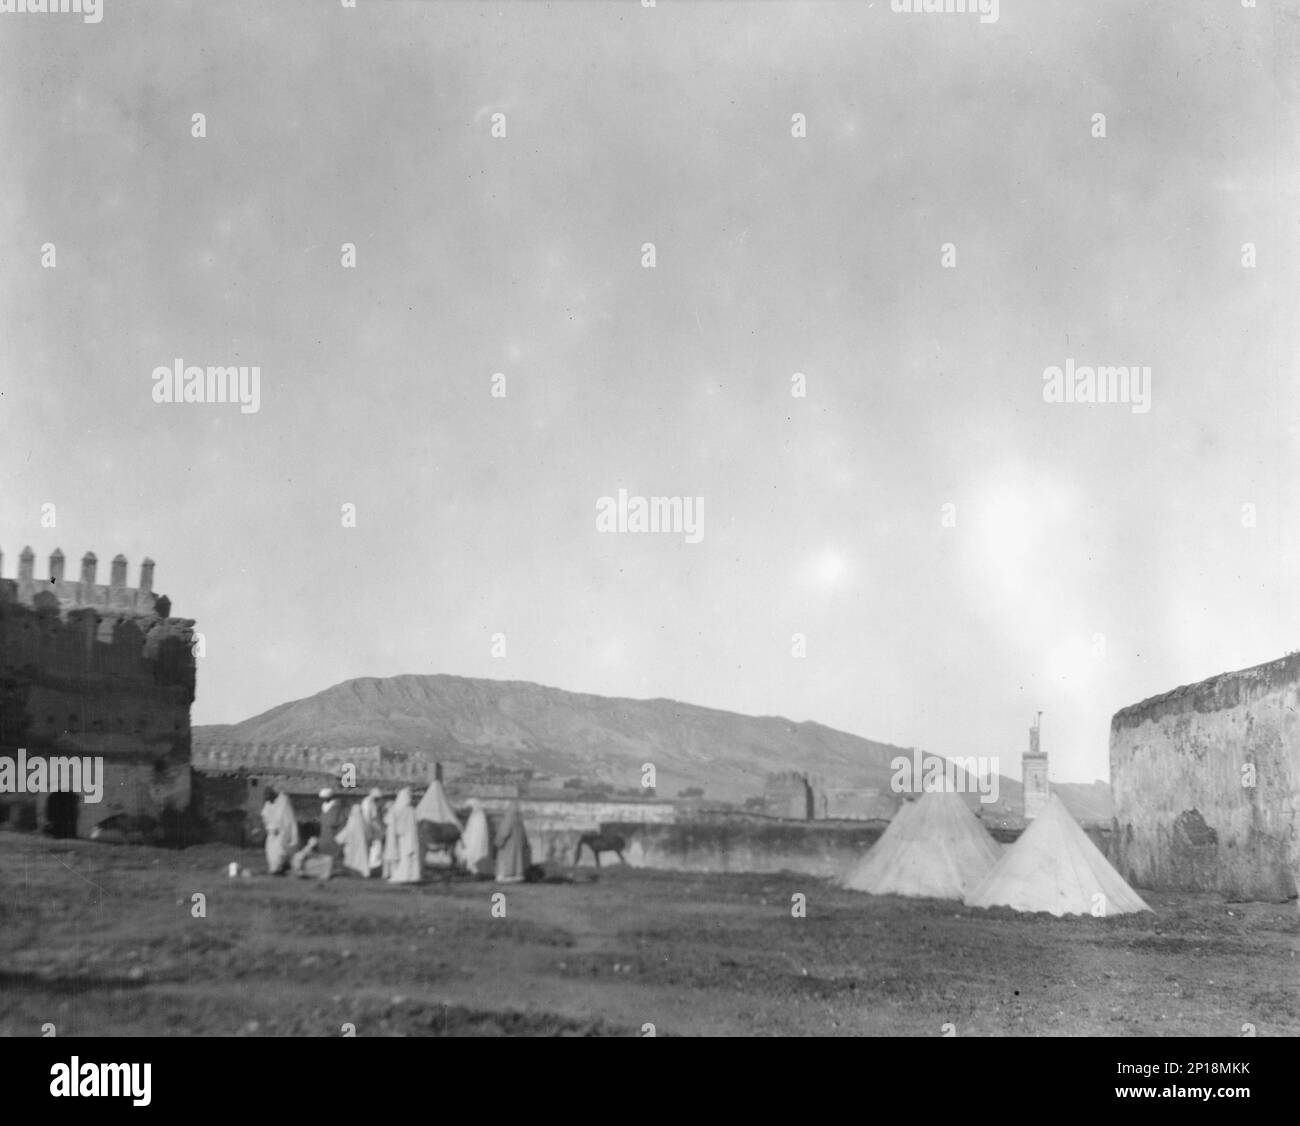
(919,549)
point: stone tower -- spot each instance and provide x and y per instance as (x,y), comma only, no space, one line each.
(1033,772)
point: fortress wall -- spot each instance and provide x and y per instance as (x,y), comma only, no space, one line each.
(83,590)
(582,816)
(62,686)
(1184,818)
(220,757)
(129,787)
(93,670)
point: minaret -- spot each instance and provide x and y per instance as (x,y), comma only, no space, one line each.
(1033,772)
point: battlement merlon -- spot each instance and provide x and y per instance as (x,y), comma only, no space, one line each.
(85,592)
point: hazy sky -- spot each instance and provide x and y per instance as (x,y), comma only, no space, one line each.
(775,254)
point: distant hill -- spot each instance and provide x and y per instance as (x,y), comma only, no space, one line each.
(515,724)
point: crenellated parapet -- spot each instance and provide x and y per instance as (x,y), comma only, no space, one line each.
(373,763)
(84,591)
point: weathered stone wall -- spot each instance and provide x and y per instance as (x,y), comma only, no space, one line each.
(295,769)
(818,848)
(584,816)
(130,787)
(554,827)
(1183,816)
(296,758)
(89,670)
(789,795)
(865,804)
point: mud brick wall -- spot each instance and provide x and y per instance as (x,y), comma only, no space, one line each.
(554,827)
(88,669)
(1183,817)
(817,848)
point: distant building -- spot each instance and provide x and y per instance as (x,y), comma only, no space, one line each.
(788,795)
(492,781)
(232,779)
(1033,768)
(867,803)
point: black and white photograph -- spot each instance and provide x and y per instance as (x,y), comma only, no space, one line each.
(650,518)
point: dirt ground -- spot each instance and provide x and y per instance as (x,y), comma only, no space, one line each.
(102,940)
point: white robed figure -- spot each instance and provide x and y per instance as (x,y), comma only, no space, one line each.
(402,846)
(514,854)
(281,833)
(475,847)
(376,831)
(356,847)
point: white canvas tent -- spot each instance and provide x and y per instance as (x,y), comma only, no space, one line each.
(1054,867)
(435,807)
(934,847)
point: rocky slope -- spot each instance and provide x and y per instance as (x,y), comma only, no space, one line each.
(458,720)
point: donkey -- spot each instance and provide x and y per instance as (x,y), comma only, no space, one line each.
(598,843)
(437,836)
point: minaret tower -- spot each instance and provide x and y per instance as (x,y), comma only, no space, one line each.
(1033,772)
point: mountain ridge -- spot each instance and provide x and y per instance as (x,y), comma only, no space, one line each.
(477,722)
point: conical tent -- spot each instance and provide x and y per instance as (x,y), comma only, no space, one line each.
(934,848)
(1054,867)
(435,807)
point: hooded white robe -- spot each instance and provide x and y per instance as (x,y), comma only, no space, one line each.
(475,847)
(281,833)
(375,830)
(356,849)
(402,846)
(514,855)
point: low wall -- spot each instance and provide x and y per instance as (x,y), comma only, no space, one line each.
(817,848)
(555,827)
(752,844)
(585,815)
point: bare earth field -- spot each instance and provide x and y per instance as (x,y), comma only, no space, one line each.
(100,940)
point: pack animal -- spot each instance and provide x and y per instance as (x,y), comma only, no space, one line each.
(598,843)
(437,836)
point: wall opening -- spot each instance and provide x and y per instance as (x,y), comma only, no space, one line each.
(61,814)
